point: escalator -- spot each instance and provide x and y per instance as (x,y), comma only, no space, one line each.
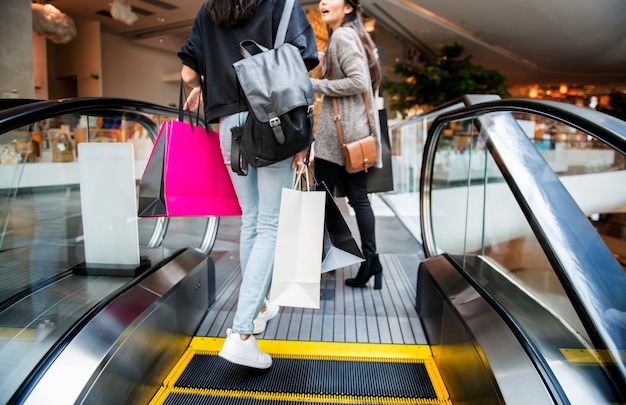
(509,304)
(505,318)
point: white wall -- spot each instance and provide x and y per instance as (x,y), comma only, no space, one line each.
(87,60)
(40,65)
(16,49)
(138,72)
(74,69)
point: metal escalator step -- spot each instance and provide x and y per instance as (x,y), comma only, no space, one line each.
(307,372)
(315,377)
(198,399)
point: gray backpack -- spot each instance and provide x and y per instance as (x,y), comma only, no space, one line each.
(280,98)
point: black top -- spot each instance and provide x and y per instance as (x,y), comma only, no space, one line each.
(221,49)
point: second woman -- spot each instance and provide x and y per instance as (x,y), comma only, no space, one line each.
(350,75)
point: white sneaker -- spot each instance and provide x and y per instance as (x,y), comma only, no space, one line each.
(260,322)
(244,352)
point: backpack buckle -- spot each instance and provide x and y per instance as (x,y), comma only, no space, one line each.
(274,122)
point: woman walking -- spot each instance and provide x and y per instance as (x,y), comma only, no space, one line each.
(350,69)
(212,48)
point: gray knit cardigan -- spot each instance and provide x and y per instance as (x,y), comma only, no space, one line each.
(351,78)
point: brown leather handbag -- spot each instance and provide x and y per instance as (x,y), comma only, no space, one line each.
(358,155)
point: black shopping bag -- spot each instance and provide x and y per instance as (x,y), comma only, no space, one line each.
(151,191)
(339,247)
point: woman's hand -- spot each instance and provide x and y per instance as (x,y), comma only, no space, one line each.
(193,99)
(299,159)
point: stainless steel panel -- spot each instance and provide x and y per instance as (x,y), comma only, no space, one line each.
(478,356)
(36,322)
(132,342)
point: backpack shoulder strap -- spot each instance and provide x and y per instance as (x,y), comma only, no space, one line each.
(284,22)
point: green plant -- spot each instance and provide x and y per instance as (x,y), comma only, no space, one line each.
(441,79)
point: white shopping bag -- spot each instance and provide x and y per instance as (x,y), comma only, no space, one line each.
(298,255)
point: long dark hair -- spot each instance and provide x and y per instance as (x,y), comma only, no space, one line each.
(355,21)
(228,13)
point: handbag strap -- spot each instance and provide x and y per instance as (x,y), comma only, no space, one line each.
(338,117)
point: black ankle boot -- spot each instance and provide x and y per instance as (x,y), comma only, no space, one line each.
(370,267)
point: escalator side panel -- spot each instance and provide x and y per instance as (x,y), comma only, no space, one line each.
(470,340)
(121,355)
(143,359)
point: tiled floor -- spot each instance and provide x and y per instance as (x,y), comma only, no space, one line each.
(345,314)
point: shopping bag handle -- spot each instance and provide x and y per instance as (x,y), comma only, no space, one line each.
(181,113)
(302,178)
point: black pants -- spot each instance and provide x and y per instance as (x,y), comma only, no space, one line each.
(356,190)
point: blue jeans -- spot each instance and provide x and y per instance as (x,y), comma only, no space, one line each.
(259,195)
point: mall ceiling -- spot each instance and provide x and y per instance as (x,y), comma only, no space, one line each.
(529,41)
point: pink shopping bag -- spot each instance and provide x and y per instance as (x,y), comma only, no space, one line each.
(186,175)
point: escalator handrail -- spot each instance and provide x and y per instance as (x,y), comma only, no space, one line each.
(609,129)
(566,235)
(26,114)
(6,103)
(456,104)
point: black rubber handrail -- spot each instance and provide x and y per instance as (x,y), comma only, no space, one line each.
(6,103)
(606,128)
(29,113)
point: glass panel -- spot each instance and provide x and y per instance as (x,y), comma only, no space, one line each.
(407,148)
(42,234)
(17,147)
